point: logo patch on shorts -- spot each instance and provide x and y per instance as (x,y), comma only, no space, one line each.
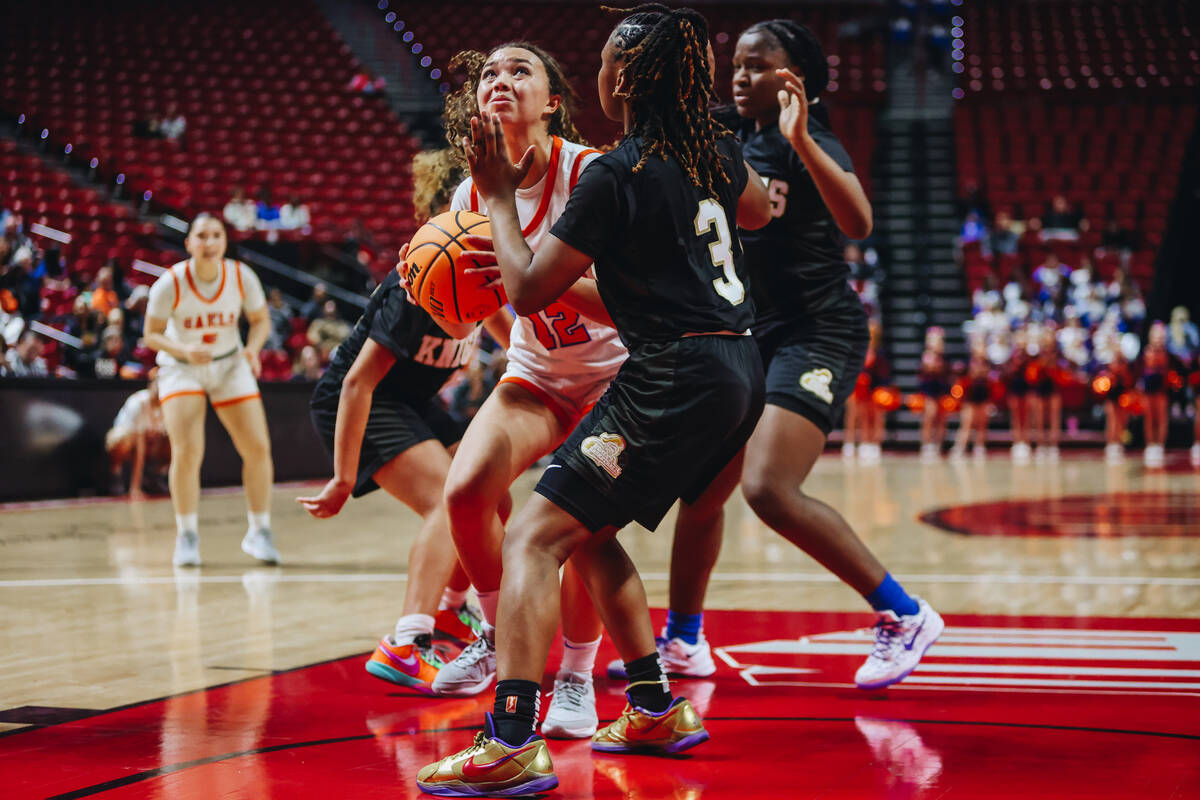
(604,451)
(817,381)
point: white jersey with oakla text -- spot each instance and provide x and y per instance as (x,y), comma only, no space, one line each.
(205,313)
(555,343)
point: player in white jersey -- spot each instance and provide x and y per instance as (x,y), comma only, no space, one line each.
(192,321)
(559,363)
(138,432)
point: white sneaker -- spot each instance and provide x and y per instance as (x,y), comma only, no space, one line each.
(869,453)
(572,712)
(1021,453)
(930,453)
(471,671)
(900,641)
(258,544)
(1052,454)
(1114,453)
(187,550)
(1040,453)
(1153,456)
(679,659)
(979,453)
(1195,455)
(958,454)
(848,450)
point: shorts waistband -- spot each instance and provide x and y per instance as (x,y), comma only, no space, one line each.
(717,333)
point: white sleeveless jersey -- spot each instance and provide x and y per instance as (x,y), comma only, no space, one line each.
(555,341)
(204,313)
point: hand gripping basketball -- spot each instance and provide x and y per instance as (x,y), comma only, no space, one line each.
(442,278)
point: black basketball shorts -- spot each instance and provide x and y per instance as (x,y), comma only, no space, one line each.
(393,426)
(673,417)
(812,361)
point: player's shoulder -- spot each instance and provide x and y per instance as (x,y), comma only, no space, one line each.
(462,195)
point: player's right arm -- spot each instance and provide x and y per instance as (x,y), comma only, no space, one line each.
(754,204)
(354,407)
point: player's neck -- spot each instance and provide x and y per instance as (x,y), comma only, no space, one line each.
(207,269)
(520,142)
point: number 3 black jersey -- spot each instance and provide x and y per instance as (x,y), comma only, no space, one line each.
(795,261)
(668,260)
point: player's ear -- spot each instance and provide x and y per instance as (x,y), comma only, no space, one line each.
(553,105)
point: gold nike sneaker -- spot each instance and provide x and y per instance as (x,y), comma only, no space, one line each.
(640,731)
(491,768)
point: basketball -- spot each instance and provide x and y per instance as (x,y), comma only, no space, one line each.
(435,271)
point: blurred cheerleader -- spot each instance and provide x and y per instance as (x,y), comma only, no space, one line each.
(1183,343)
(1154,383)
(1017,396)
(977,393)
(934,387)
(1112,385)
(1045,404)
(873,397)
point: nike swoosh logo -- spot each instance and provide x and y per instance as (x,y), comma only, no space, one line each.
(909,644)
(554,466)
(409,664)
(472,770)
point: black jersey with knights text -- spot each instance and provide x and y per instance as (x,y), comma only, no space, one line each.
(668,260)
(795,260)
(425,356)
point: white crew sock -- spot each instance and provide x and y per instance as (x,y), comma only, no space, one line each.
(259,521)
(187,522)
(410,626)
(488,601)
(579,657)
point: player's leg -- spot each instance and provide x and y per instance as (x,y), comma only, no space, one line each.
(120,444)
(184,418)
(1037,422)
(931,441)
(1053,424)
(1114,432)
(416,477)
(572,710)
(779,456)
(850,426)
(966,421)
(981,423)
(246,421)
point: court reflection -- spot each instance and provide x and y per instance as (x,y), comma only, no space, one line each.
(912,766)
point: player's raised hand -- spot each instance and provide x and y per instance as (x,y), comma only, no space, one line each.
(793,105)
(329,502)
(482,253)
(487,156)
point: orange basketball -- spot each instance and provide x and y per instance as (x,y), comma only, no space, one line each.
(435,270)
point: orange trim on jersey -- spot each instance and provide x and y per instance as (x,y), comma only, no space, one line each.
(548,192)
(241,289)
(233,400)
(575,170)
(180,393)
(175,278)
(192,283)
(565,418)
(474,199)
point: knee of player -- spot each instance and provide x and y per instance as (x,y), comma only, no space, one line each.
(764,494)
(467,494)
(187,456)
(256,448)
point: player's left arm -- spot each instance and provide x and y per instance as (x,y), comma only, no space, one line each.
(584,298)
(841,190)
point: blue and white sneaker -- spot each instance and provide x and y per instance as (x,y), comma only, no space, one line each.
(900,642)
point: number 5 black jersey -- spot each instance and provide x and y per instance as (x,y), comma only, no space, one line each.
(668,260)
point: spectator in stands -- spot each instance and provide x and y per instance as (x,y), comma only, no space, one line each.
(865,275)
(1050,277)
(312,309)
(104,296)
(294,215)
(308,365)
(362,82)
(108,360)
(239,212)
(281,319)
(139,433)
(328,331)
(974,200)
(146,126)
(1183,337)
(973,229)
(4,351)
(266,210)
(1003,238)
(1061,221)
(1117,239)
(1074,339)
(174,125)
(25,361)
(135,313)
(84,323)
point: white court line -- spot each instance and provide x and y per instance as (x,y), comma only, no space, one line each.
(271,576)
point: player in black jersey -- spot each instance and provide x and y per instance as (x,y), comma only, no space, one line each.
(656,216)
(812,331)
(377,412)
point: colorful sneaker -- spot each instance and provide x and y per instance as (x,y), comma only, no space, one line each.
(640,731)
(187,550)
(470,672)
(900,641)
(413,665)
(572,712)
(491,768)
(679,659)
(461,626)
(258,544)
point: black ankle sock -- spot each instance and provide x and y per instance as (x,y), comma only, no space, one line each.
(648,683)
(516,710)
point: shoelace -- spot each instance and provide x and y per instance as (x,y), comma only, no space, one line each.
(475,652)
(574,695)
(887,635)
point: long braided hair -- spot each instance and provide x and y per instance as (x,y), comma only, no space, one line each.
(666,80)
(462,104)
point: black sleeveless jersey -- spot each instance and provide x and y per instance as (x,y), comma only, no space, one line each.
(795,261)
(425,356)
(668,261)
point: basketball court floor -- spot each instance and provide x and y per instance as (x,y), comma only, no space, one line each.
(1070,666)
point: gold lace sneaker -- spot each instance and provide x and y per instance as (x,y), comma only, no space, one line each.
(491,768)
(640,731)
